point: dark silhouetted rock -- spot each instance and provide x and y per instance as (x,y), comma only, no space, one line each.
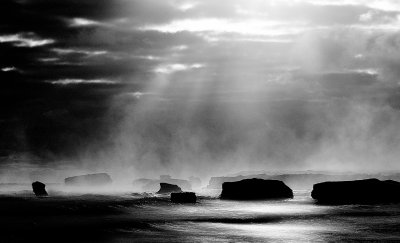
(153,184)
(100,179)
(370,191)
(255,189)
(183,197)
(168,188)
(301,181)
(39,189)
(184,184)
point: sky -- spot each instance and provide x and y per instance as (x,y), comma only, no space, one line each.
(201,86)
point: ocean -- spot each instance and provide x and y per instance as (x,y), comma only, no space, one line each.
(144,218)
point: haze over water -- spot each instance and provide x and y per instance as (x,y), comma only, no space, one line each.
(195,88)
(181,87)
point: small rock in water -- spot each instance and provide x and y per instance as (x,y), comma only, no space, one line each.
(183,197)
(39,189)
(168,188)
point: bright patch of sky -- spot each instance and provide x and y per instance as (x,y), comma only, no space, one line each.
(176,67)
(8,69)
(387,5)
(245,27)
(81,22)
(25,40)
(81,81)
(63,51)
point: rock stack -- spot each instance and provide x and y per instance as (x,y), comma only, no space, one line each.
(39,189)
(255,189)
(369,191)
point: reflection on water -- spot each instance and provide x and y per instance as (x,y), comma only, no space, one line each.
(280,231)
(128,218)
(297,220)
(285,221)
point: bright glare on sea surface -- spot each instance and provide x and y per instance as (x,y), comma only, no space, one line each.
(128,218)
(297,220)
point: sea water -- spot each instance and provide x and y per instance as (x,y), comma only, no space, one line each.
(295,220)
(135,218)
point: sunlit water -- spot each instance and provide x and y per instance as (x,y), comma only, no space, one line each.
(214,220)
(297,220)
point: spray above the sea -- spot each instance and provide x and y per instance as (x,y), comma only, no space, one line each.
(198,88)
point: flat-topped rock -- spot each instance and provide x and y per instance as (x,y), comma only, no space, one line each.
(184,184)
(99,179)
(166,188)
(255,189)
(183,197)
(369,191)
(148,185)
(39,189)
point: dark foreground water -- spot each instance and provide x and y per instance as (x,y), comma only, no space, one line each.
(132,218)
